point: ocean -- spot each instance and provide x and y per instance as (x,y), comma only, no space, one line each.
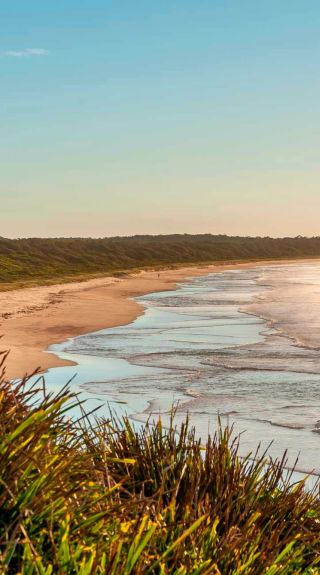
(239,346)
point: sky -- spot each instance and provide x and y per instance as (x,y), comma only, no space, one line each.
(175,116)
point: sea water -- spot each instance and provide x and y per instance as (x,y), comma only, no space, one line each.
(241,346)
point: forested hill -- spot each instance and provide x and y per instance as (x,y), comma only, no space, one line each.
(42,260)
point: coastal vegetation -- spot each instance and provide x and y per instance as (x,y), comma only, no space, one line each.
(36,260)
(95,496)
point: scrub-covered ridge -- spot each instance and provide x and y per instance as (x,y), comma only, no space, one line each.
(42,260)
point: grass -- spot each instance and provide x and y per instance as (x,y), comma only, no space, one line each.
(94,496)
(36,261)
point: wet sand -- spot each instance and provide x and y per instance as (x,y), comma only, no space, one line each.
(34,318)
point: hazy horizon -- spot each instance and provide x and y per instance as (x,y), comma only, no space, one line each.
(159,118)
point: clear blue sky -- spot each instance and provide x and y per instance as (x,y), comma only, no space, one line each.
(158,117)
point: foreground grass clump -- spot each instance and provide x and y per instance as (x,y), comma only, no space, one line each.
(95,498)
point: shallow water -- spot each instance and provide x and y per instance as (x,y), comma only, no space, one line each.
(224,345)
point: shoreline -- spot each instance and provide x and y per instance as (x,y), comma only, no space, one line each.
(34,318)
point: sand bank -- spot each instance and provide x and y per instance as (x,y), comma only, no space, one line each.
(34,318)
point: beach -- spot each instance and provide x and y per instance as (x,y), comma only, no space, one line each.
(206,346)
(34,318)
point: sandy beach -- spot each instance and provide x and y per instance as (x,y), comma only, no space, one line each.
(34,318)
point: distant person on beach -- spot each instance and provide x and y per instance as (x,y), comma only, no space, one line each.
(158,275)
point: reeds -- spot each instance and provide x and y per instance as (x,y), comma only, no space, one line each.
(96,496)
